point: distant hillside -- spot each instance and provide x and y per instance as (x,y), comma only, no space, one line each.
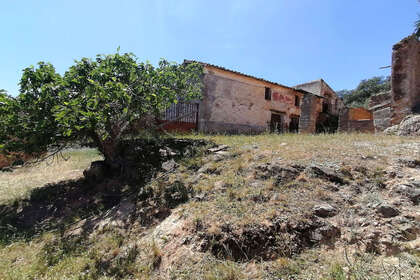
(360,96)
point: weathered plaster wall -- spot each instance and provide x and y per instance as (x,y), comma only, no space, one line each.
(356,120)
(356,114)
(405,79)
(236,104)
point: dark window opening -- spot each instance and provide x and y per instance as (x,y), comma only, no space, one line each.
(294,124)
(297,101)
(325,107)
(267,93)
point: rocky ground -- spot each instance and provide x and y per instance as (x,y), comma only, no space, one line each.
(233,207)
(409,126)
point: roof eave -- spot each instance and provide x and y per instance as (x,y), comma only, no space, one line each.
(238,73)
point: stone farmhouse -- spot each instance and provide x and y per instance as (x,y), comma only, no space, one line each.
(234,102)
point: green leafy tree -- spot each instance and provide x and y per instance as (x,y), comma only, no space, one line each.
(28,123)
(96,99)
(6,102)
(360,96)
(104,96)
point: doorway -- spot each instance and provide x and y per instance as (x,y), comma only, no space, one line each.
(294,124)
(277,122)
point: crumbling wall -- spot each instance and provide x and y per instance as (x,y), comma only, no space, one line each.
(382,118)
(343,120)
(405,79)
(335,103)
(364,126)
(357,114)
(322,89)
(326,123)
(380,105)
(380,99)
(356,120)
(310,108)
(314,87)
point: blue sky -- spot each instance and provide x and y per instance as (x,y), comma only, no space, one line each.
(286,41)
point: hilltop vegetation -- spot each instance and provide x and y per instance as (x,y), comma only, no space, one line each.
(360,96)
(227,207)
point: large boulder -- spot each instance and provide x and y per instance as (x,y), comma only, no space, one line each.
(409,190)
(387,211)
(409,126)
(325,173)
(281,174)
(324,211)
(392,130)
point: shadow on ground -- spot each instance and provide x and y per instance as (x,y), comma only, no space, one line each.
(55,207)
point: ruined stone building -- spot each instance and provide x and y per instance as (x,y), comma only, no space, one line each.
(389,108)
(322,107)
(233,102)
(405,79)
(330,102)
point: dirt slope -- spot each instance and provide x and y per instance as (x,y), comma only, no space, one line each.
(248,207)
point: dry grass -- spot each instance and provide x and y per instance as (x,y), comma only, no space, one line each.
(297,147)
(230,197)
(240,202)
(17,184)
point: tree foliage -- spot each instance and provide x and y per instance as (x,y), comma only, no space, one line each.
(34,123)
(96,99)
(6,102)
(360,96)
(28,124)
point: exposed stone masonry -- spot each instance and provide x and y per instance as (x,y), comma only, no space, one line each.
(405,79)
(356,120)
(380,105)
(309,114)
(390,108)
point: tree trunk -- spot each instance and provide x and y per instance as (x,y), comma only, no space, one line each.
(112,157)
